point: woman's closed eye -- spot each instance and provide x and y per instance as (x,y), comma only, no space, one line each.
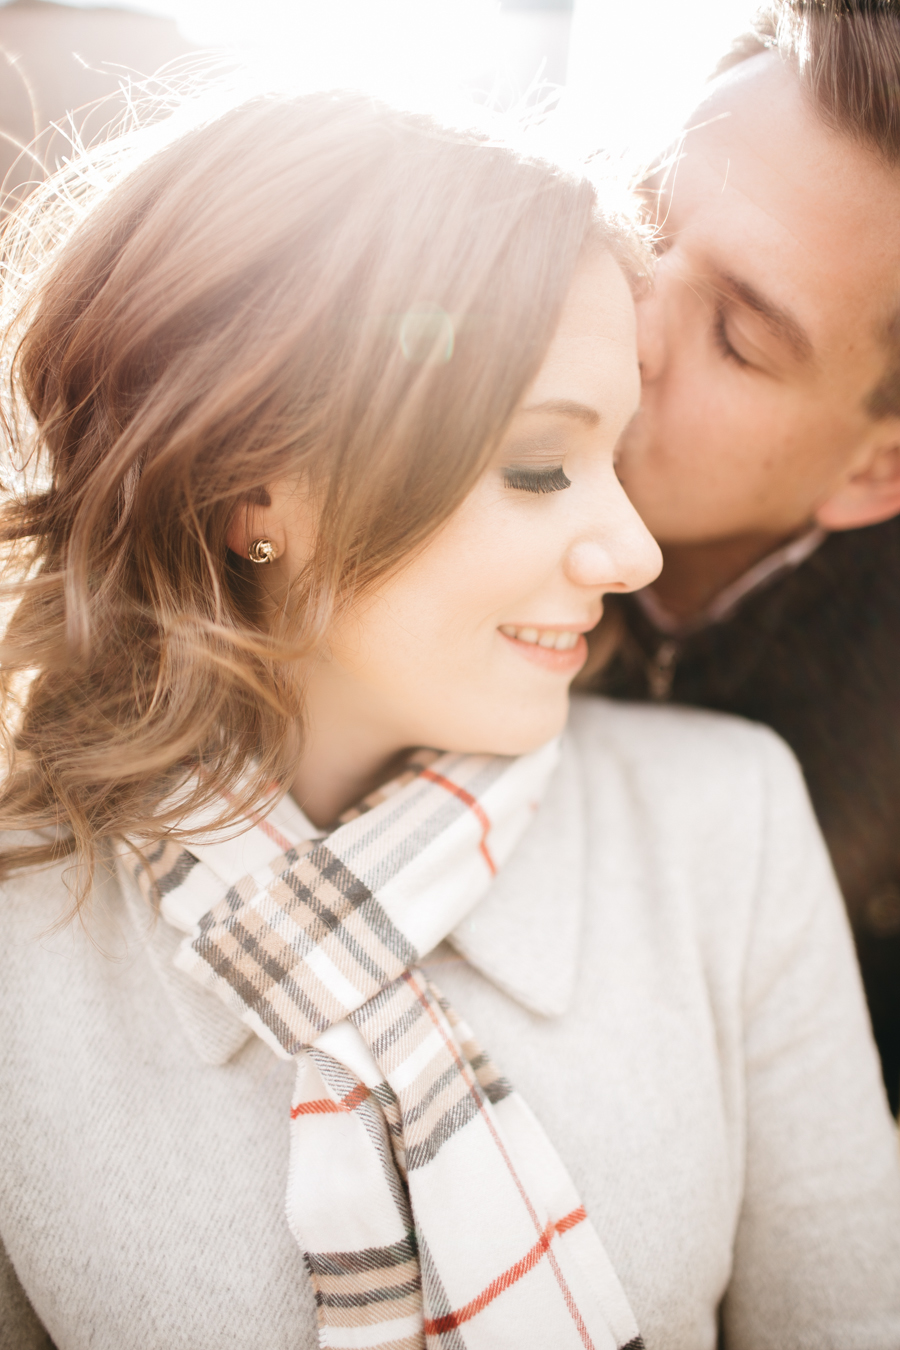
(536,480)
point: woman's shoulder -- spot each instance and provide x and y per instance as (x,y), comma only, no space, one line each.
(630,729)
(39,899)
(681,758)
(696,807)
(45,880)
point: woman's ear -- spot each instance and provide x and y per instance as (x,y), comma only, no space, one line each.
(285,515)
(253,520)
(871,494)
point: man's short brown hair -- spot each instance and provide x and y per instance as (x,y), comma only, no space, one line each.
(847,57)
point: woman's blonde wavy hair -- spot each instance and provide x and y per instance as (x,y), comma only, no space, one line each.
(230,311)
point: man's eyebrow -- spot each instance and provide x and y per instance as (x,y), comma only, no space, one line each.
(565,407)
(780,321)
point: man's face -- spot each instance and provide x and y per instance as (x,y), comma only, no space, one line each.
(762,338)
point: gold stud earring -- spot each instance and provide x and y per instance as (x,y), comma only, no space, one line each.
(262,551)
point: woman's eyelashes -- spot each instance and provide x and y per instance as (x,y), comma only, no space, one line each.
(536,480)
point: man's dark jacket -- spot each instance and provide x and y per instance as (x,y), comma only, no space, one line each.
(816,655)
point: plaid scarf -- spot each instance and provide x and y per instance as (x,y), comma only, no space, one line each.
(431,1208)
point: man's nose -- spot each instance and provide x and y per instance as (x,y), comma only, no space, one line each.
(650,336)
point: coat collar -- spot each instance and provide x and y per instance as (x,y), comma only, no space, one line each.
(722,606)
(523,936)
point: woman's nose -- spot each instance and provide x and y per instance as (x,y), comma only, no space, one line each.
(619,554)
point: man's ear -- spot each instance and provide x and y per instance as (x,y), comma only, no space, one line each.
(869,495)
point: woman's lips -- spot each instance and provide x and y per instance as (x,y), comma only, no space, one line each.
(559,649)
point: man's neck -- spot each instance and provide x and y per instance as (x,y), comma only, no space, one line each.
(694,574)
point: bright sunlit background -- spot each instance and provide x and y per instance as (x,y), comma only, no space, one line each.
(636,68)
(631,68)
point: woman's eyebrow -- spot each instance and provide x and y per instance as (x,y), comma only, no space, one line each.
(565,407)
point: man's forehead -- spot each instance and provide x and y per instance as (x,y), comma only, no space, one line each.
(771,195)
(757,136)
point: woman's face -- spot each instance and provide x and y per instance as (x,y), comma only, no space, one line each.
(473,645)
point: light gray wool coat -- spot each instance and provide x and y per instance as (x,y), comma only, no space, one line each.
(663,969)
